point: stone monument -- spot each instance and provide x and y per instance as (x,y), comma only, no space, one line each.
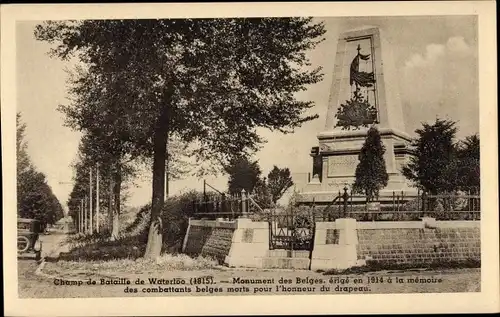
(364,92)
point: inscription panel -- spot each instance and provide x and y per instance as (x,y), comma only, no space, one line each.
(332,236)
(339,184)
(342,165)
(400,162)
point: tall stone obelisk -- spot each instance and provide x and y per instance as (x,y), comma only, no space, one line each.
(364,93)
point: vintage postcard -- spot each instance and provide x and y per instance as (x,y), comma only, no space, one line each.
(250,158)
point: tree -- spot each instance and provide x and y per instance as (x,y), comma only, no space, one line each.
(78,192)
(262,194)
(371,174)
(468,153)
(22,158)
(278,182)
(433,166)
(178,164)
(35,198)
(24,166)
(210,82)
(243,174)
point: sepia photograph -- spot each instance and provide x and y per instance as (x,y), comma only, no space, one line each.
(260,155)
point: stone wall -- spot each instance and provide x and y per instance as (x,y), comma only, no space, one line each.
(236,243)
(412,243)
(209,239)
(341,244)
(346,243)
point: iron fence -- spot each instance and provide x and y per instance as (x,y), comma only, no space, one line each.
(223,206)
(217,204)
(396,207)
(401,207)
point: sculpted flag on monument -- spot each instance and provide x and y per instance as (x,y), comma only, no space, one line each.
(362,79)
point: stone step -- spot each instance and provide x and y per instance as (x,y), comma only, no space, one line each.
(285,263)
(281,253)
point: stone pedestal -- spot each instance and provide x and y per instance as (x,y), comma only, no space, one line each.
(335,245)
(250,244)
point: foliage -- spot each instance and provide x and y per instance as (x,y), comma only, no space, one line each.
(262,194)
(35,198)
(371,174)
(279,181)
(116,179)
(102,146)
(132,242)
(178,164)
(432,166)
(79,240)
(246,174)
(468,154)
(256,81)
(140,223)
(356,112)
(439,165)
(22,158)
(104,249)
(209,82)
(175,215)
(243,174)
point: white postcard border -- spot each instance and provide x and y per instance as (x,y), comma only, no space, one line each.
(485,301)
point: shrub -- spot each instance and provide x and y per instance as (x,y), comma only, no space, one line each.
(175,218)
(140,225)
(104,249)
(95,237)
(131,243)
(411,205)
(166,262)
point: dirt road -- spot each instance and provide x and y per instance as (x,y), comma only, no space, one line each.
(29,284)
(51,243)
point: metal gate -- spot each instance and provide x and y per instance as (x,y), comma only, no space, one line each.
(291,231)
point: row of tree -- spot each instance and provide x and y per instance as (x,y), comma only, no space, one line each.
(115,176)
(209,83)
(35,198)
(97,157)
(438,165)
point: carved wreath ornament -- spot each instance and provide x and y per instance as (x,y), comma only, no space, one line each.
(356,113)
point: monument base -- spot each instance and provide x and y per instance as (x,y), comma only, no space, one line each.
(395,187)
(339,151)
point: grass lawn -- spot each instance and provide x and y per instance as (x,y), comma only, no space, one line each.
(166,262)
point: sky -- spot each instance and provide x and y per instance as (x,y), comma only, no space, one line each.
(435,60)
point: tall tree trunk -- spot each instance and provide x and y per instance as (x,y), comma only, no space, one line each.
(117,195)
(110,208)
(160,138)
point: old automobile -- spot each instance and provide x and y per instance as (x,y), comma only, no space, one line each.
(28,238)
